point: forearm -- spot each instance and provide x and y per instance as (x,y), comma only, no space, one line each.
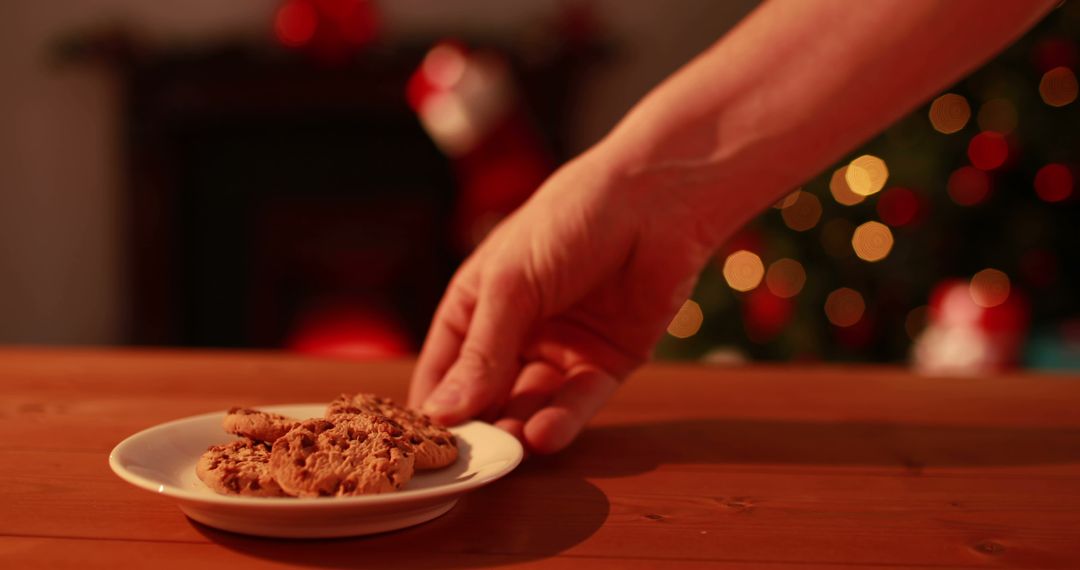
(789,91)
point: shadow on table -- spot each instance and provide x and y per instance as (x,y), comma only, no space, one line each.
(547,505)
(619,450)
(535,513)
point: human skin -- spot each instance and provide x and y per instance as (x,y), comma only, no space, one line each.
(569,294)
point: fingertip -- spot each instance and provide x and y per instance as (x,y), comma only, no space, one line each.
(551,430)
(512,426)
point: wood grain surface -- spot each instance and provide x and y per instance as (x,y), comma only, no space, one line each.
(688,467)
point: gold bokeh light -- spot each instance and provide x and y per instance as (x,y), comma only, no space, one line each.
(840,190)
(1058,87)
(803,213)
(989,288)
(949,113)
(743,270)
(785,277)
(844,307)
(687,322)
(872,241)
(787,200)
(866,175)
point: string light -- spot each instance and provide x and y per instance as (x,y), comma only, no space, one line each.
(949,113)
(803,213)
(968,186)
(743,270)
(998,115)
(687,322)
(840,190)
(787,200)
(872,241)
(1058,87)
(866,175)
(785,278)
(1054,182)
(989,288)
(295,23)
(844,307)
(988,150)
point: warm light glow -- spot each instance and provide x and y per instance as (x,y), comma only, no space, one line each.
(866,175)
(988,150)
(444,65)
(295,23)
(785,278)
(836,237)
(803,213)
(949,113)
(916,321)
(840,190)
(872,241)
(898,207)
(844,307)
(968,186)
(687,321)
(989,288)
(1054,182)
(787,200)
(1058,87)
(743,270)
(998,115)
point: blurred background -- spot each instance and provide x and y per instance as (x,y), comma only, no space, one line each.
(306,175)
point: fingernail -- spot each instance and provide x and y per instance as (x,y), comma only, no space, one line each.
(446,398)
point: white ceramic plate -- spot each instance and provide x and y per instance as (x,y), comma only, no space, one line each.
(162,459)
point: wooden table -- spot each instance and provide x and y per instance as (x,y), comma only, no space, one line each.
(688,467)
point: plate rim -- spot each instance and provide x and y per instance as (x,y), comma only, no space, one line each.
(406,495)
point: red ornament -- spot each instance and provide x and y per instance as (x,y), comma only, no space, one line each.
(968,186)
(988,150)
(898,207)
(1054,182)
(765,314)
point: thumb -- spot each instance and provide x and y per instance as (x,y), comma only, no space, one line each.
(488,361)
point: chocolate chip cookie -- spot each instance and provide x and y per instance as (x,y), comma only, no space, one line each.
(345,455)
(241,467)
(433,444)
(257,425)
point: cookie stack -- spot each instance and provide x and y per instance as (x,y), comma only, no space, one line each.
(365,444)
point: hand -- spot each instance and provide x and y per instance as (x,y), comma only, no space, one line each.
(560,303)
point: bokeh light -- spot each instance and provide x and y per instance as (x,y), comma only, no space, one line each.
(687,322)
(295,23)
(1058,87)
(866,175)
(1054,182)
(743,270)
(872,241)
(844,307)
(787,200)
(968,186)
(949,113)
(803,213)
(785,278)
(898,207)
(836,237)
(916,321)
(988,150)
(840,190)
(989,288)
(998,115)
